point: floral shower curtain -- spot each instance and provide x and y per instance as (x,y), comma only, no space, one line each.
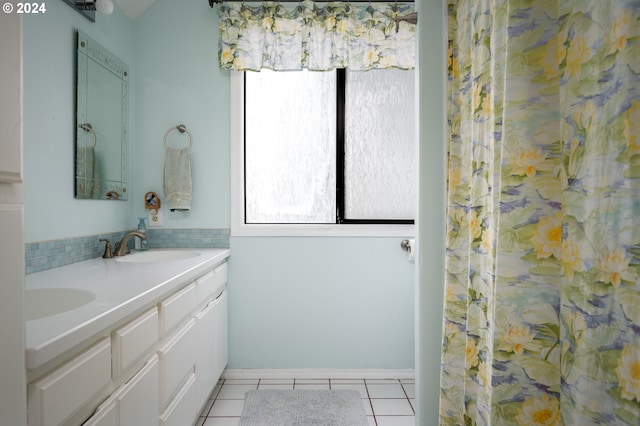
(542,305)
(307,36)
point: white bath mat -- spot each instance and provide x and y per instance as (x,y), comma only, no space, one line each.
(303,407)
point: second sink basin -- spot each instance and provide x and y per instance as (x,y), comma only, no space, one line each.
(44,302)
(157,256)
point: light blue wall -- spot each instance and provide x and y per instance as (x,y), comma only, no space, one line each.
(51,212)
(320,303)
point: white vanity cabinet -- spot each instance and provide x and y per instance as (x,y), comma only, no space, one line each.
(157,368)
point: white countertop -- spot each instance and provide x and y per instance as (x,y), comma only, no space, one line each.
(121,289)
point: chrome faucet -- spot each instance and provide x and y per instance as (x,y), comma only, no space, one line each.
(122,247)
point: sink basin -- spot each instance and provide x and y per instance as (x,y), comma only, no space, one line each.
(43,302)
(157,256)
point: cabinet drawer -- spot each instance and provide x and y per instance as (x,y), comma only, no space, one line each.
(57,396)
(138,398)
(177,360)
(212,283)
(177,307)
(133,340)
(206,362)
(183,409)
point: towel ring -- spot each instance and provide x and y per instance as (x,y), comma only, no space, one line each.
(182,129)
(87,128)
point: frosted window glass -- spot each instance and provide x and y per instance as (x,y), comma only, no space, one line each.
(290,149)
(380,148)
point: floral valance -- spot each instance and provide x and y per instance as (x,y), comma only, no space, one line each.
(308,36)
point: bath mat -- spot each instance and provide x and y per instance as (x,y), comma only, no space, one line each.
(303,407)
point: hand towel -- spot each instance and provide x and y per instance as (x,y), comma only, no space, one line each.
(87,173)
(177,178)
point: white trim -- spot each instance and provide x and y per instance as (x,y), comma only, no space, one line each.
(237,151)
(317,373)
(240,229)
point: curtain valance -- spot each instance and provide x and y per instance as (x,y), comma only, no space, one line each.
(308,36)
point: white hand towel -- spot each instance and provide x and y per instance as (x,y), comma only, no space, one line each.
(177,178)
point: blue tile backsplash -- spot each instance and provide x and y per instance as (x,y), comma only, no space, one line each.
(43,255)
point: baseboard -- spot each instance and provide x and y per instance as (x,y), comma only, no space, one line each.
(317,373)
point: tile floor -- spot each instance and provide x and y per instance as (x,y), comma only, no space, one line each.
(387,402)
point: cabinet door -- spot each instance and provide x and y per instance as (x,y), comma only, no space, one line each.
(177,360)
(206,362)
(222,346)
(182,410)
(138,403)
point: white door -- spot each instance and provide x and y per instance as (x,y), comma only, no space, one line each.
(13,404)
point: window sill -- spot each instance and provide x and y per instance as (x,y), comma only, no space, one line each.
(322,230)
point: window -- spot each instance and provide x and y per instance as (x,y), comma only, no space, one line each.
(325,148)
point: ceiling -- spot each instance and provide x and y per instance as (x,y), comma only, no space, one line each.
(133,8)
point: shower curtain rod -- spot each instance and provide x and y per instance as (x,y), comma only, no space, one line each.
(212,2)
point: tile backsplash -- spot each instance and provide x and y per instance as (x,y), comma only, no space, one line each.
(43,255)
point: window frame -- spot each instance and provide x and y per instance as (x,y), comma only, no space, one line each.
(354,228)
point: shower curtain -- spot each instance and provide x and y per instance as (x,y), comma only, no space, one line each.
(542,292)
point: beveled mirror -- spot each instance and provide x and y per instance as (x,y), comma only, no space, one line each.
(102,123)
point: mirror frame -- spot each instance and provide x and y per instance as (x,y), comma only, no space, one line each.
(89,50)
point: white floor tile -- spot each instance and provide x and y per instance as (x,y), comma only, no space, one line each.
(222,421)
(387,402)
(235,391)
(276,382)
(311,381)
(226,408)
(395,420)
(311,385)
(390,407)
(347,381)
(274,386)
(241,381)
(382,381)
(385,391)
(410,389)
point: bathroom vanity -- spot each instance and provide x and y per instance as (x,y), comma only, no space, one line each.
(135,340)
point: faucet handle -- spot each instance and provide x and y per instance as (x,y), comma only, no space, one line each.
(108,254)
(123,251)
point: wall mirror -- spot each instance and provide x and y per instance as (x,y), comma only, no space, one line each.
(102,123)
